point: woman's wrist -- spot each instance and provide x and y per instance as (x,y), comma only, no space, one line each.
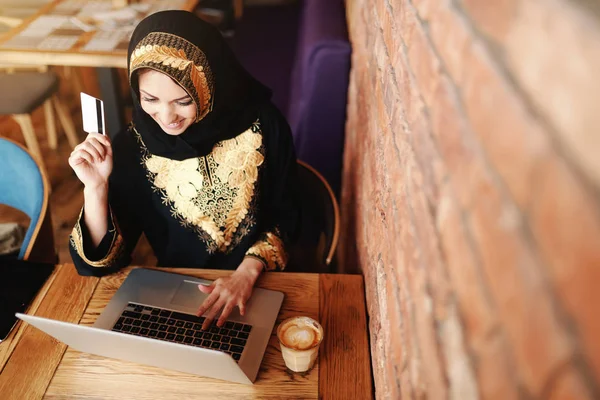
(95,204)
(251,266)
(96,190)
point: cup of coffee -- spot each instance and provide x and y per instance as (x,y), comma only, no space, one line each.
(299,338)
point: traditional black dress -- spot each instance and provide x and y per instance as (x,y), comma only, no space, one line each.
(222,190)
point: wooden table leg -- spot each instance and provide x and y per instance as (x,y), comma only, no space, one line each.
(50,125)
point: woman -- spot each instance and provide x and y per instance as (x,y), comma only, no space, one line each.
(206,169)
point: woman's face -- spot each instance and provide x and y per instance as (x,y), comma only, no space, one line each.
(165,101)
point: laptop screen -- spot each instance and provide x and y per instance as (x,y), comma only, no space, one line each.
(19,283)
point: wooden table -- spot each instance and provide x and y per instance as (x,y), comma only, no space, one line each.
(34,365)
(105,62)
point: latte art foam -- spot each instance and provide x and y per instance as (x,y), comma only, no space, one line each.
(299,337)
(300,334)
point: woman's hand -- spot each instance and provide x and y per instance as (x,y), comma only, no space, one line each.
(92,160)
(227,293)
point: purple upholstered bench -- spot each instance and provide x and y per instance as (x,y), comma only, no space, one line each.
(319,86)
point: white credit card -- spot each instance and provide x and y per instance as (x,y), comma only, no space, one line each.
(92,113)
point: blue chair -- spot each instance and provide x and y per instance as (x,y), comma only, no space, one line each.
(24,186)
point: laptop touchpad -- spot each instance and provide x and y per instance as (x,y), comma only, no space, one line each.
(188,295)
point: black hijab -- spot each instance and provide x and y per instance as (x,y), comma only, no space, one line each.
(195,55)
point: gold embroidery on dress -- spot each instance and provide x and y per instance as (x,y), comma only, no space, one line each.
(270,250)
(213,194)
(238,162)
(114,253)
(182,183)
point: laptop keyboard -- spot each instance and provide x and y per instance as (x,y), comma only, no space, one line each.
(173,326)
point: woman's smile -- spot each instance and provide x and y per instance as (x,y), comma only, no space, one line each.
(174,125)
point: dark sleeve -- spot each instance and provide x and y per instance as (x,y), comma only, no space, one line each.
(124,229)
(279,208)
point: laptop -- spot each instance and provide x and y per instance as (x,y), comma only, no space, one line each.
(151,320)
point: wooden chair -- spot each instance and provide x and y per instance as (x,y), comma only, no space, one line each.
(23,92)
(20,103)
(319,230)
(24,186)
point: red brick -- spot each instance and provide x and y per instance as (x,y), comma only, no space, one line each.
(477,312)
(404,25)
(398,348)
(449,132)
(553,54)
(400,250)
(452,39)
(395,144)
(430,257)
(422,59)
(566,224)
(425,7)
(376,333)
(380,53)
(391,95)
(385,338)
(461,380)
(378,8)
(493,19)
(419,129)
(495,376)
(449,126)
(388,336)
(410,95)
(430,163)
(406,246)
(430,361)
(404,94)
(459,121)
(391,37)
(478,315)
(519,290)
(428,286)
(398,121)
(511,138)
(353,170)
(569,386)
(380,114)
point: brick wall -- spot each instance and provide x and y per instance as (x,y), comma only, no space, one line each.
(471,197)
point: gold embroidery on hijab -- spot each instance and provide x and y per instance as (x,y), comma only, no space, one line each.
(167,59)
